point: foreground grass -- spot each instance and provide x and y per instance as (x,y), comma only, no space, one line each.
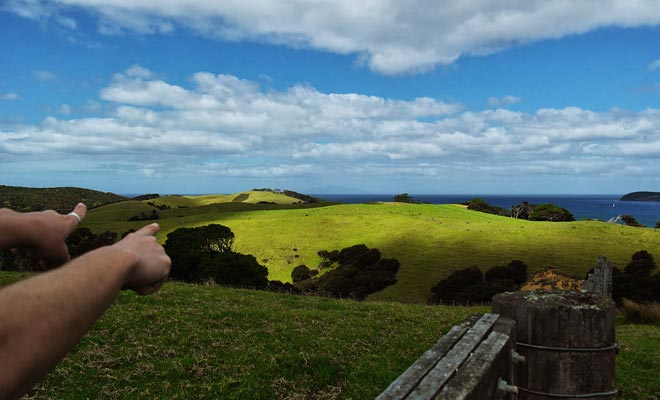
(430,241)
(201,342)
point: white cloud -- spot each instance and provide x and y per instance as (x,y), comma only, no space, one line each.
(503,101)
(654,65)
(9,96)
(221,125)
(390,36)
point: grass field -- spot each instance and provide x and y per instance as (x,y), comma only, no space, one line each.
(204,342)
(430,241)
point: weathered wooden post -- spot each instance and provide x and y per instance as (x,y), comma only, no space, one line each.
(567,339)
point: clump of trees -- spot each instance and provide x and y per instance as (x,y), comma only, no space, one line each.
(148,196)
(205,253)
(404,198)
(145,216)
(524,210)
(360,271)
(79,242)
(159,206)
(657,225)
(479,204)
(471,285)
(635,282)
(60,199)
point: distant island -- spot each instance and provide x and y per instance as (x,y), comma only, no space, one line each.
(641,196)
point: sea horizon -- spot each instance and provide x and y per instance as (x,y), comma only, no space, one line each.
(601,207)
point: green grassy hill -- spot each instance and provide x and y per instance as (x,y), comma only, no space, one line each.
(250,197)
(430,240)
(210,342)
(62,199)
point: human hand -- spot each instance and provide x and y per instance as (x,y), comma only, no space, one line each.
(153,264)
(43,234)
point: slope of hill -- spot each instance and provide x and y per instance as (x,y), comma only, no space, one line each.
(62,199)
(206,342)
(641,196)
(250,197)
(429,240)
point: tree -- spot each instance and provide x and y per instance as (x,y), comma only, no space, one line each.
(641,265)
(657,225)
(404,198)
(521,211)
(187,247)
(630,220)
(550,212)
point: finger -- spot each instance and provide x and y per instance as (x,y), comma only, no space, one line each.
(148,230)
(78,215)
(81,210)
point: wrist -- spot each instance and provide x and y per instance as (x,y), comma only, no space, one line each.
(124,261)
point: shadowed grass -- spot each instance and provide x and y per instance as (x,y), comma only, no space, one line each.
(202,342)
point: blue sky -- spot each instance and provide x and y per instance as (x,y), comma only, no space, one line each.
(182,96)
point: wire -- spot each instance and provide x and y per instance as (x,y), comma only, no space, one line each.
(564,396)
(571,349)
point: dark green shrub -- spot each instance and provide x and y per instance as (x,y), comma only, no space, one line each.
(235,269)
(361,271)
(457,281)
(516,271)
(350,254)
(300,273)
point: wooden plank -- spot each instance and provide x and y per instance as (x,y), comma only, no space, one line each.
(405,383)
(432,383)
(477,378)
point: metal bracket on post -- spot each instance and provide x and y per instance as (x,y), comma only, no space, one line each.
(517,358)
(503,386)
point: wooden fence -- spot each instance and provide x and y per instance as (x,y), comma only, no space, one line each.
(535,345)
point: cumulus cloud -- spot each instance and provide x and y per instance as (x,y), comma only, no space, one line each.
(390,36)
(9,96)
(503,101)
(222,125)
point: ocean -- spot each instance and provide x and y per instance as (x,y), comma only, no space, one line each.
(601,207)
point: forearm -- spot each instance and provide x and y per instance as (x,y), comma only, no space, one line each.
(11,229)
(43,317)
